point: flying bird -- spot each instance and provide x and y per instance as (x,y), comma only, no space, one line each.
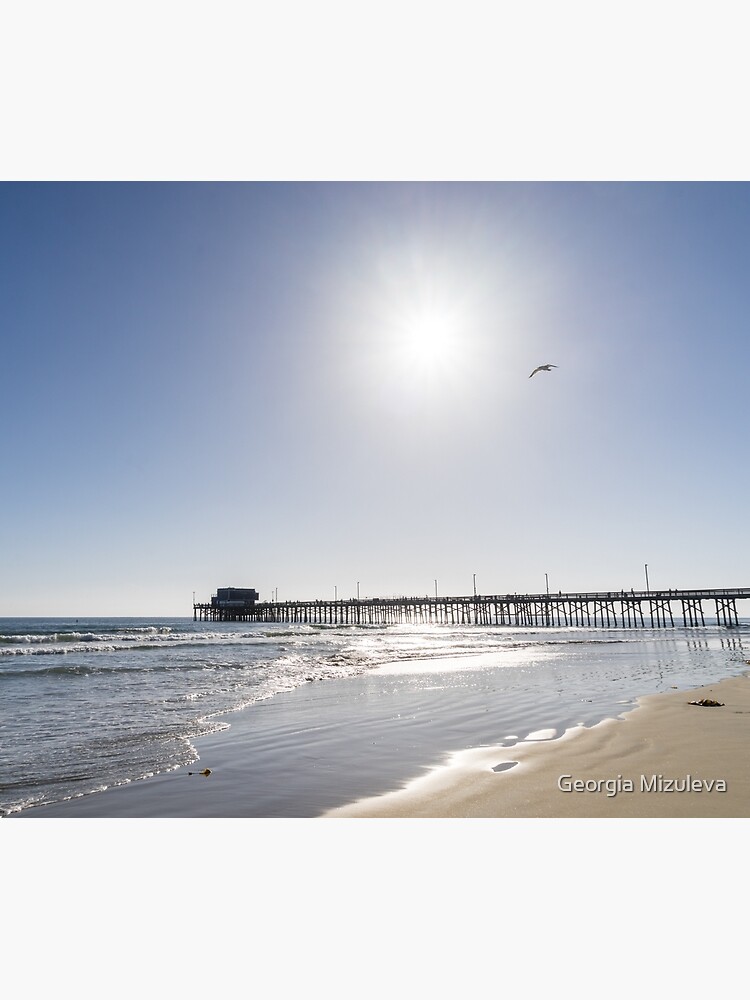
(542,368)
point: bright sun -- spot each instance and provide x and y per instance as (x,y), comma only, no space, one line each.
(418,349)
(428,343)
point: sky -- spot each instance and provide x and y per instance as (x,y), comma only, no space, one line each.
(304,387)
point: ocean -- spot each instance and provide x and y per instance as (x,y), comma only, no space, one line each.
(90,704)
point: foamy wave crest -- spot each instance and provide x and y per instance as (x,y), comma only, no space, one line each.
(54,650)
(78,669)
(79,642)
(51,637)
(123,634)
(72,649)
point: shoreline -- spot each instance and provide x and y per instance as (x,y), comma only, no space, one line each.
(664,758)
(271,761)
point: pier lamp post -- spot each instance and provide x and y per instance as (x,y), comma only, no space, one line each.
(357,589)
(335,593)
(546,580)
(645,566)
(435,589)
(475,584)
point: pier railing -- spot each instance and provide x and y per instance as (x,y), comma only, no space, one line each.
(611,609)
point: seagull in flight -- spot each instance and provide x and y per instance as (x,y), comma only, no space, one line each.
(542,368)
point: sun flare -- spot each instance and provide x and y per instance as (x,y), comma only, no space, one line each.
(429,341)
(420,334)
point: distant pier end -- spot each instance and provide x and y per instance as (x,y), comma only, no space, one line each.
(229,604)
(611,609)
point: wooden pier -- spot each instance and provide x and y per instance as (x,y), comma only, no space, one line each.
(611,609)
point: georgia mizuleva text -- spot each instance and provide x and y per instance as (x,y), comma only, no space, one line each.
(646,783)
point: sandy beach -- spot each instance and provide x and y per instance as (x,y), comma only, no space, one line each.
(665,758)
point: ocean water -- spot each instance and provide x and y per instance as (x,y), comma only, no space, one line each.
(89,704)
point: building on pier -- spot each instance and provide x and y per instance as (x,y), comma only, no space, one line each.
(234,597)
(229,604)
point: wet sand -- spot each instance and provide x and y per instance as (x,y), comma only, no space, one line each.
(665,758)
(301,753)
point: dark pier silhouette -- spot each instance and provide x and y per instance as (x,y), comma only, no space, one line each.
(610,609)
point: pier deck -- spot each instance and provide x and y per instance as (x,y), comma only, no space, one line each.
(609,609)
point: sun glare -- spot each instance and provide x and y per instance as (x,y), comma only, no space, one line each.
(427,344)
(424,359)
(420,334)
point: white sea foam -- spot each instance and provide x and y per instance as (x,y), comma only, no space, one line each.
(542,734)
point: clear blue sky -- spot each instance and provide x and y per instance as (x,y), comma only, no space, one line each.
(303,386)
